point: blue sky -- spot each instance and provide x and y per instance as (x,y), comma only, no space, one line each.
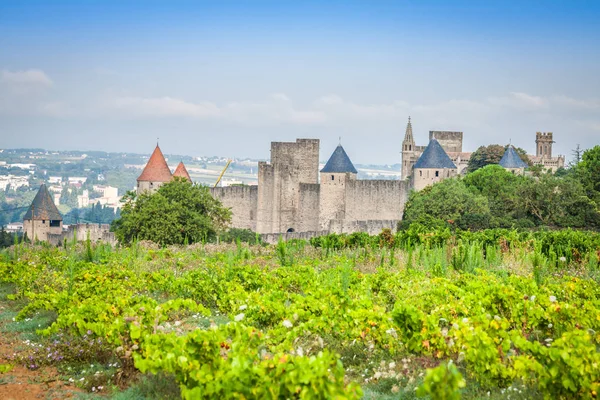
(226,78)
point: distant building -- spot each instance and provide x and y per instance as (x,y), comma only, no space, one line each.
(83,200)
(55,180)
(77,180)
(157,172)
(511,161)
(15,227)
(543,152)
(182,172)
(433,166)
(13,182)
(42,218)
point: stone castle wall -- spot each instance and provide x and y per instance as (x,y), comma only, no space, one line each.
(243,201)
(450,141)
(96,232)
(375,199)
(40,229)
(372,227)
(333,197)
(308,211)
(279,183)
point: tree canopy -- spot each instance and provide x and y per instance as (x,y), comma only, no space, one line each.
(179,212)
(492,154)
(492,197)
(588,172)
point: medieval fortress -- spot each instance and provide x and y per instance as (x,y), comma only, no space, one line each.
(295,199)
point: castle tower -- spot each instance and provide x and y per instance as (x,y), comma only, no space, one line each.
(334,176)
(433,166)
(42,217)
(543,144)
(182,172)
(408,149)
(511,161)
(292,165)
(155,173)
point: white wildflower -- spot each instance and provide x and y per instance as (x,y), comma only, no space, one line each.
(497,318)
(465,320)
(552,299)
(177,323)
(287,323)
(533,298)
(392,365)
(239,317)
(243,307)
(392,332)
(550,326)
(563,259)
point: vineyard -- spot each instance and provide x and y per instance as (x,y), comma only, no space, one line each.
(443,315)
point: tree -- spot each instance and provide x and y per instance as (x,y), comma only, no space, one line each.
(577,153)
(492,154)
(499,186)
(588,172)
(559,202)
(447,202)
(177,213)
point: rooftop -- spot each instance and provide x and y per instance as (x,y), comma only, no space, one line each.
(156,170)
(42,207)
(435,157)
(511,159)
(339,162)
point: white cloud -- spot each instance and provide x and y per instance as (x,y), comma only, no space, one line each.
(165,107)
(27,77)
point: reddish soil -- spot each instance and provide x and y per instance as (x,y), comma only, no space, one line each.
(23,384)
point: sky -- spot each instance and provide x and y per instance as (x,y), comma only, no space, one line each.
(226,78)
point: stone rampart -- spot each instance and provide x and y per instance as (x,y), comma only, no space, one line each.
(242,200)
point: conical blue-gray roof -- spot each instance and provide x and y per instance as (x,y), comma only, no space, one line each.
(511,159)
(339,162)
(434,156)
(42,207)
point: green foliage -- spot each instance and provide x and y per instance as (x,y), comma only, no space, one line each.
(588,172)
(492,154)
(177,213)
(447,202)
(232,362)
(443,382)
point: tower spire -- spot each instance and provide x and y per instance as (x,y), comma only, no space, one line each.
(408,136)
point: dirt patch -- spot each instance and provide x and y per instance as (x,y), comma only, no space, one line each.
(21,383)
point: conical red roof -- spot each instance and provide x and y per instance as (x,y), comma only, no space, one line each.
(181,171)
(157,169)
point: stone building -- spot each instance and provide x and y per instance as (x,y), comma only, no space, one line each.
(293,196)
(512,162)
(155,173)
(432,166)
(181,172)
(451,142)
(42,218)
(543,152)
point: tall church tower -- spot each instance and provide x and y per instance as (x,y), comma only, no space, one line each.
(543,144)
(408,151)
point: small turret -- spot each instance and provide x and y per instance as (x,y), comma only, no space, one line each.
(155,173)
(182,172)
(433,166)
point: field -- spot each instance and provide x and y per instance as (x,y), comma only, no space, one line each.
(495,314)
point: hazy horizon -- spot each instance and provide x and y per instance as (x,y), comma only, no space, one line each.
(226,79)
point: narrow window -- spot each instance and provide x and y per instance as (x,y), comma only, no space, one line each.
(43,221)
(332,178)
(437,173)
(420,173)
(410,147)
